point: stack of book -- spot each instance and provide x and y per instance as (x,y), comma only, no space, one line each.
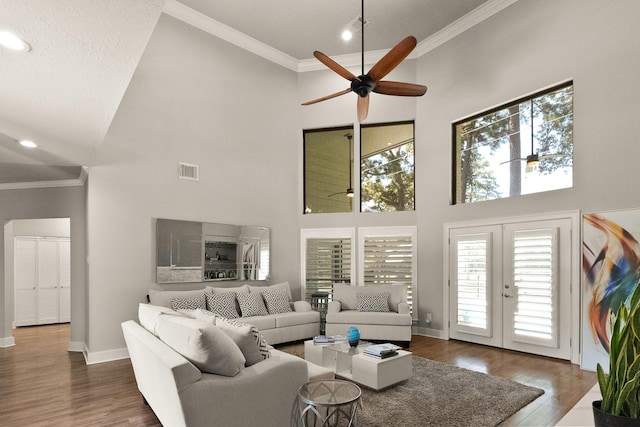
(381,351)
(323,339)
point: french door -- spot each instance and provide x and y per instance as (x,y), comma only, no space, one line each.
(510,286)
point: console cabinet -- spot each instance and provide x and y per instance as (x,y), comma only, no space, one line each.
(42,280)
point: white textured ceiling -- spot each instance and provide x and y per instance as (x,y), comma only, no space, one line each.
(64,92)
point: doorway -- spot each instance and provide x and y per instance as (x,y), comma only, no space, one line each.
(38,266)
(510,285)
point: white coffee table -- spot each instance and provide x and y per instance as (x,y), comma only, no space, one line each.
(352,364)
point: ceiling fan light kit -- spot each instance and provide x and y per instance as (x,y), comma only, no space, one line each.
(372,81)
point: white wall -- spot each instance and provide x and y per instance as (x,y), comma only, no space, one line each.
(526,47)
(200,100)
(194,99)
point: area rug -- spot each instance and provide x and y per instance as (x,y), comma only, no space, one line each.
(439,394)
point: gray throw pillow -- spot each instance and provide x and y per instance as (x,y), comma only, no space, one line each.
(252,305)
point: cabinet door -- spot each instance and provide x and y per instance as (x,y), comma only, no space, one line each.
(25,282)
(65,280)
(47,279)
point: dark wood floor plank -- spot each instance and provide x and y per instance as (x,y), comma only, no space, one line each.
(42,384)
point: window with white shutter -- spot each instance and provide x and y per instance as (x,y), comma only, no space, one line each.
(388,256)
(326,259)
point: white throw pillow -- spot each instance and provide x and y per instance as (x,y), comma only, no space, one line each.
(277,286)
(277,301)
(203,344)
(148,315)
(191,303)
(206,316)
(247,337)
(251,305)
(163,298)
(222,304)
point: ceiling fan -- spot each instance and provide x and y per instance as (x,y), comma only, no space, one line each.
(349,192)
(364,84)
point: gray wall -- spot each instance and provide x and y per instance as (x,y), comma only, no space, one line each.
(197,99)
(63,202)
(200,100)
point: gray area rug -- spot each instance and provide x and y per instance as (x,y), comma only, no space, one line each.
(439,394)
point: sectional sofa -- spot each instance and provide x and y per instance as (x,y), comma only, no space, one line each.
(271,309)
(211,371)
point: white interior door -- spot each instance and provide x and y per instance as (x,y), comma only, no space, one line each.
(25,282)
(64,302)
(47,279)
(507,289)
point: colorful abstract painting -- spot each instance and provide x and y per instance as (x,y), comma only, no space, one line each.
(611,270)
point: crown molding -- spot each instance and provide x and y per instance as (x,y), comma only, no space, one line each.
(78,182)
(459,26)
(201,21)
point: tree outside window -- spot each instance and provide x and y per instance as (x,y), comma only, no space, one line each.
(520,148)
(387,167)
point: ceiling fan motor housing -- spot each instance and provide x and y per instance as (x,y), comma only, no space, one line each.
(363,85)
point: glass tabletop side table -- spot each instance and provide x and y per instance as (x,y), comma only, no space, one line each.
(326,403)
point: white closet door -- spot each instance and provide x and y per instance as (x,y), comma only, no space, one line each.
(47,280)
(65,280)
(25,281)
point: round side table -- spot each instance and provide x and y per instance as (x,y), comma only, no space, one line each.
(326,403)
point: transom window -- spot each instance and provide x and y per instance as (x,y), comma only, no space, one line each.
(519,148)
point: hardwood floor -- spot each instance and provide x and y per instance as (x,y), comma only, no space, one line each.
(41,384)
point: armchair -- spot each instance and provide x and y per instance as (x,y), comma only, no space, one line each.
(381,313)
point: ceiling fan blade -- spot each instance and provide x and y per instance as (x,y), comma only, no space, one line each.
(333,65)
(386,87)
(392,59)
(324,98)
(363,108)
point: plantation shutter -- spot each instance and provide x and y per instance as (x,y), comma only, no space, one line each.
(534,279)
(389,260)
(473,259)
(328,261)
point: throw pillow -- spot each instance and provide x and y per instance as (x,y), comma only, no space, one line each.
(163,298)
(377,301)
(206,316)
(251,305)
(203,344)
(148,315)
(277,286)
(277,301)
(247,337)
(223,304)
(191,303)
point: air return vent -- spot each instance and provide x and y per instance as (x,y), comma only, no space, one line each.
(188,171)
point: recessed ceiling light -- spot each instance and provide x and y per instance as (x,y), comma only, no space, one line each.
(13,42)
(28,144)
(346,35)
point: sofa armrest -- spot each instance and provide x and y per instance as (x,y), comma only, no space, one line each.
(334,307)
(261,394)
(403,308)
(301,306)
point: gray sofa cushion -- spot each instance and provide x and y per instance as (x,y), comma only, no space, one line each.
(356,317)
(296,318)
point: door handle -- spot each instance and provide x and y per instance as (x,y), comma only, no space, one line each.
(507,296)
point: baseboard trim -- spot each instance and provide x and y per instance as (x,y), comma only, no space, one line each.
(92,358)
(76,346)
(428,332)
(7,342)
